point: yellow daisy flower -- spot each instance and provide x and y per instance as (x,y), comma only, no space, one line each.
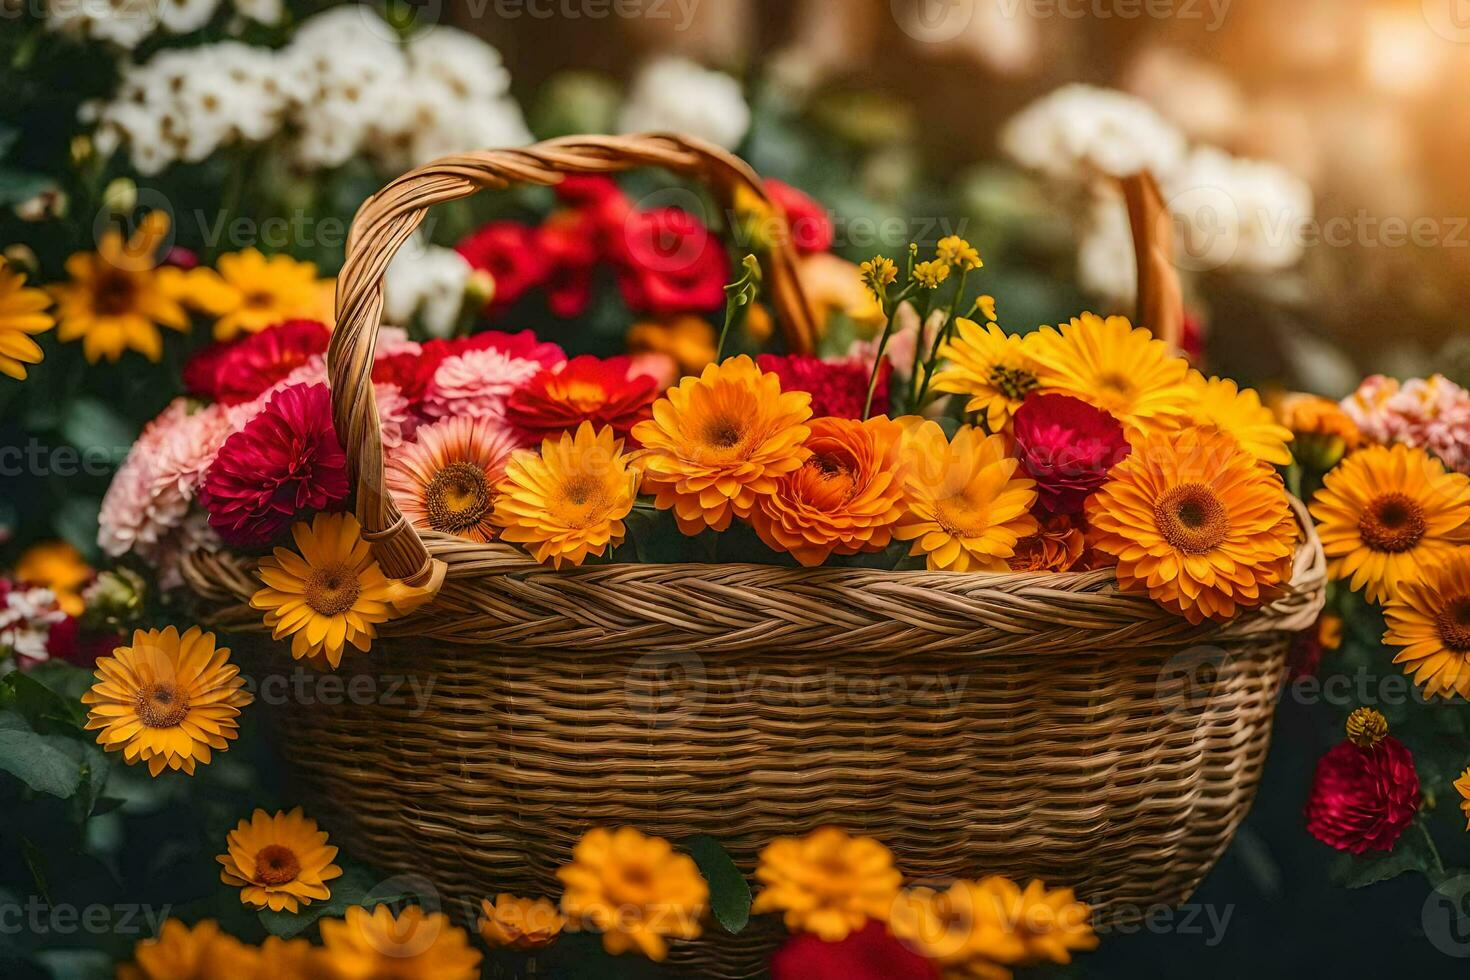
(22,315)
(118,296)
(60,567)
(410,946)
(1118,368)
(634,889)
(249,291)
(1387,514)
(167,700)
(1238,411)
(182,953)
(993,368)
(568,501)
(967,509)
(1196,522)
(827,883)
(1430,618)
(287,959)
(332,593)
(519,923)
(279,862)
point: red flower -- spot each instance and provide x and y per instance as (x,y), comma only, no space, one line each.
(671,264)
(240,371)
(838,388)
(868,954)
(583,389)
(601,200)
(811,227)
(285,462)
(69,642)
(508,251)
(410,371)
(569,242)
(1363,798)
(1067,447)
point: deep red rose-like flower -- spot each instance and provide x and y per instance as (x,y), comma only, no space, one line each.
(670,263)
(239,371)
(1363,798)
(285,462)
(838,387)
(1067,446)
(569,242)
(508,251)
(811,226)
(410,371)
(601,200)
(868,954)
(583,389)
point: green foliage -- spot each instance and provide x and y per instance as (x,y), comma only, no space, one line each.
(729,892)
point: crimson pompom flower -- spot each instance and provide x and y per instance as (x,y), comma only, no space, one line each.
(1067,446)
(838,387)
(1363,798)
(811,227)
(237,372)
(671,263)
(870,953)
(508,251)
(284,462)
(584,389)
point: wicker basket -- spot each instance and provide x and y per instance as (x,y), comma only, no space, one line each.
(1036,725)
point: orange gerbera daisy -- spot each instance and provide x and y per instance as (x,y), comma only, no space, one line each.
(1117,367)
(827,883)
(182,953)
(248,291)
(1430,619)
(992,367)
(967,509)
(568,501)
(1386,514)
(60,567)
(1197,522)
(844,499)
(279,862)
(167,700)
(719,441)
(445,479)
(22,315)
(688,339)
(412,946)
(519,923)
(1323,433)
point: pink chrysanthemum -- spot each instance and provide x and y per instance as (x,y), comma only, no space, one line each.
(396,419)
(1428,413)
(284,462)
(477,382)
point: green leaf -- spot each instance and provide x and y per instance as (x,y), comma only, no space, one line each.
(76,521)
(8,137)
(48,693)
(37,761)
(1361,870)
(97,431)
(357,886)
(729,892)
(17,186)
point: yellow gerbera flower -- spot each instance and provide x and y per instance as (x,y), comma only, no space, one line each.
(1118,368)
(1197,522)
(167,700)
(287,959)
(1387,514)
(278,862)
(410,946)
(568,501)
(1462,786)
(1430,619)
(118,296)
(182,953)
(22,315)
(60,567)
(1238,411)
(332,593)
(967,509)
(718,441)
(519,923)
(827,883)
(251,291)
(993,368)
(634,889)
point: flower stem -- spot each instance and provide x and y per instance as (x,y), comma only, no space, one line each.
(739,295)
(940,336)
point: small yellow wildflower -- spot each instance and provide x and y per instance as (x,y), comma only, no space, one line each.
(931,274)
(878,272)
(954,250)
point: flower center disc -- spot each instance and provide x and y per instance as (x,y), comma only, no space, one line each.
(1393,522)
(276,865)
(458,498)
(1192,518)
(1015,383)
(332,590)
(114,294)
(1453,625)
(162,705)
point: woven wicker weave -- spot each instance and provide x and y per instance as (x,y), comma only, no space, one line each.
(1035,725)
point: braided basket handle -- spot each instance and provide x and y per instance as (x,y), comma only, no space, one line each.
(389,218)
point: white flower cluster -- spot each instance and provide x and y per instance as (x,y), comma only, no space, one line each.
(1236,213)
(677,95)
(427,282)
(343,86)
(127,23)
(1079,131)
(26,618)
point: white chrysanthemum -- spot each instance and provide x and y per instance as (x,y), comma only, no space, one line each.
(1191,93)
(1242,214)
(1079,131)
(184,16)
(471,69)
(427,282)
(261,11)
(125,23)
(677,95)
(1106,265)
